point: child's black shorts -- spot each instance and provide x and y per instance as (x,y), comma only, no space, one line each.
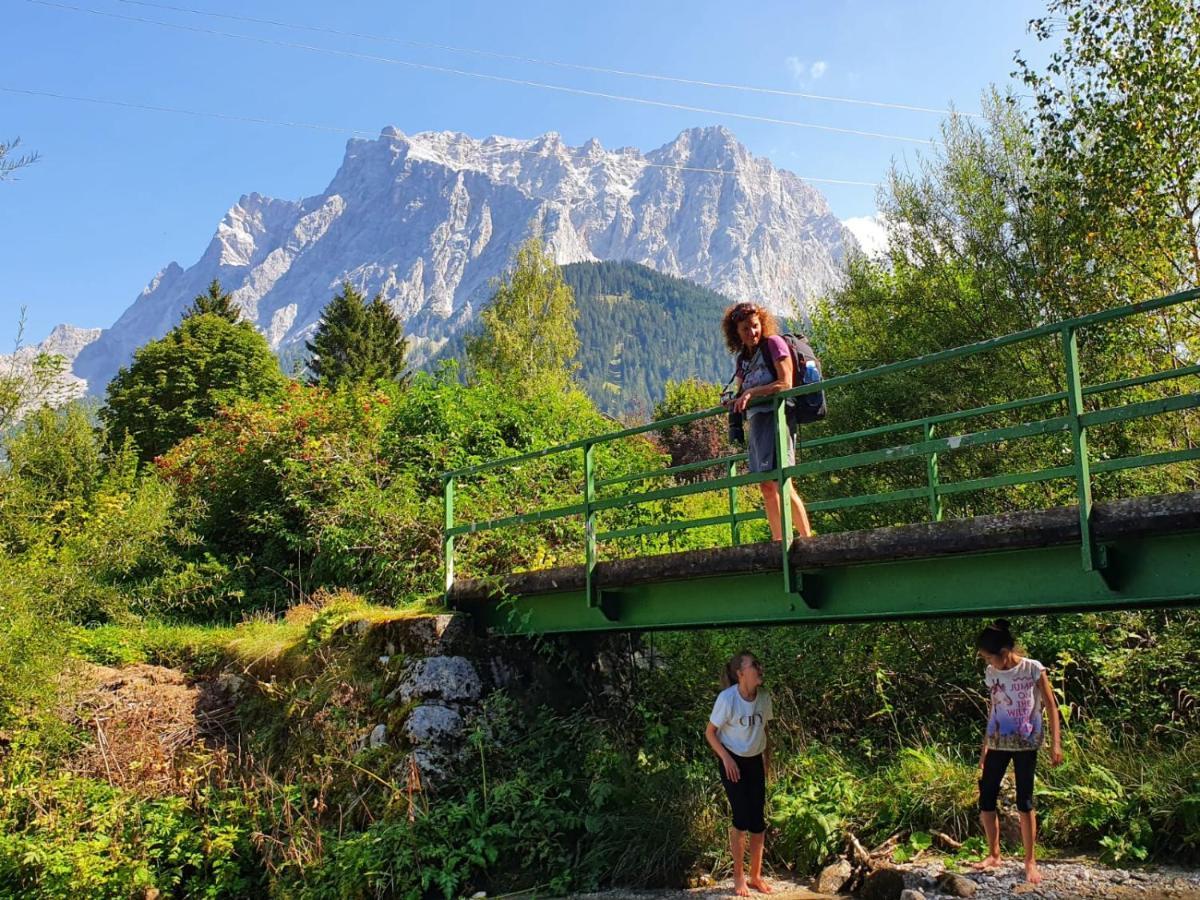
(994,764)
(748,796)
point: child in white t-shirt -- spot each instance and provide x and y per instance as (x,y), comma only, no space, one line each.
(737,733)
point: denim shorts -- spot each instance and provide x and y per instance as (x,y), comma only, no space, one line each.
(760,443)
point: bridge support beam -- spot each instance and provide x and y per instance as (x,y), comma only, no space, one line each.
(1013,564)
(1157,570)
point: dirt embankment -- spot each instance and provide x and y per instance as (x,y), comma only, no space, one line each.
(153,730)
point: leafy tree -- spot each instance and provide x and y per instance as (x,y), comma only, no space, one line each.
(978,248)
(638,329)
(343,488)
(28,381)
(527,335)
(183,378)
(694,441)
(215,301)
(1116,113)
(8,164)
(357,341)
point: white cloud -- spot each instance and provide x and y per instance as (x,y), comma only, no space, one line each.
(871,233)
(804,72)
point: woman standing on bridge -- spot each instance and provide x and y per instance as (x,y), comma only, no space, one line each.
(764,367)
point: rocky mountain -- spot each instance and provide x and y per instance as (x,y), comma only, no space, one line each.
(64,341)
(430,219)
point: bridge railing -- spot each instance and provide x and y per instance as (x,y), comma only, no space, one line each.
(931,442)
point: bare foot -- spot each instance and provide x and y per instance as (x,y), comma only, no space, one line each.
(740,889)
(988,862)
(1032,875)
(761,885)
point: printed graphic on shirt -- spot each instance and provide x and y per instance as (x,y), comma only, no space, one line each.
(1015,721)
(741,724)
(756,372)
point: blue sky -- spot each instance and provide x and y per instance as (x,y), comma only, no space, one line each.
(119,192)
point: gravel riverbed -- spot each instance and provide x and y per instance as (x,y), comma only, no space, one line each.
(1068,879)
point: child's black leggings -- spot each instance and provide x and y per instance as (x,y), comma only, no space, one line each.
(748,795)
(994,765)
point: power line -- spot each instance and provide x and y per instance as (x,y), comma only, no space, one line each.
(488,76)
(255,120)
(582,67)
(359,133)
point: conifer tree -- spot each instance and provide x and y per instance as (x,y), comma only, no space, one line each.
(357,341)
(216,302)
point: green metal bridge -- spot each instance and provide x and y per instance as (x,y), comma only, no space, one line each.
(1135,552)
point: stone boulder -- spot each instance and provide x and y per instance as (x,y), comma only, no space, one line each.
(449,679)
(834,877)
(436,734)
(956,885)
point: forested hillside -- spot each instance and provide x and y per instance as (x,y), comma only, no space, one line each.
(639,329)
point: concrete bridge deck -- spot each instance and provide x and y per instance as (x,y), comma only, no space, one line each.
(1021,562)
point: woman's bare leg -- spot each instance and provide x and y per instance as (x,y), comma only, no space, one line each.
(770,492)
(800,515)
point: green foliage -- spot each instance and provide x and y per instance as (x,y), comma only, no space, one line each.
(63,836)
(527,337)
(27,383)
(811,805)
(182,379)
(977,250)
(343,489)
(1132,185)
(639,329)
(84,537)
(357,342)
(214,302)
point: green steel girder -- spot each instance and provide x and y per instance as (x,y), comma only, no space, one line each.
(1139,571)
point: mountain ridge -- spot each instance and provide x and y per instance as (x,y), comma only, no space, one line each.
(430,220)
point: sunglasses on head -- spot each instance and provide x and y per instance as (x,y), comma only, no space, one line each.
(744,311)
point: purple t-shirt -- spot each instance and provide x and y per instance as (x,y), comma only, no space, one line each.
(755,372)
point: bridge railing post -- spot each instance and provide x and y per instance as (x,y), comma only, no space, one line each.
(448,524)
(782,434)
(931,472)
(589,522)
(735,536)
(1079,446)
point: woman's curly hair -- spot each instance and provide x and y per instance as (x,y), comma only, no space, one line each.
(737,313)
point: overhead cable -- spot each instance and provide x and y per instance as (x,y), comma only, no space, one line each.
(488,76)
(354,132)
(582,67)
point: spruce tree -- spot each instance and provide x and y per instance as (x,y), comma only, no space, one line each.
(215,302)
(356,341)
